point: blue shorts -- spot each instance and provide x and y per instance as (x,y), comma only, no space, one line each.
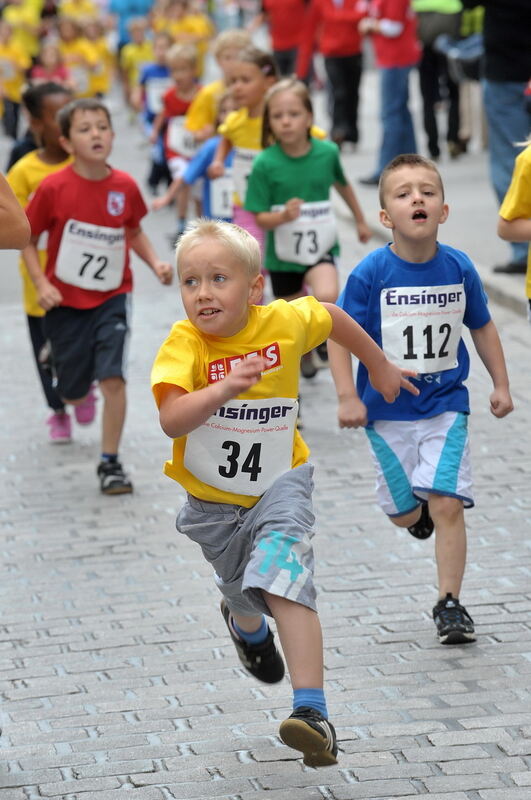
(266,547)
(420,457)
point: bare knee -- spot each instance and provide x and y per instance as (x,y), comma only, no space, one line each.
(444,509)
(111,387)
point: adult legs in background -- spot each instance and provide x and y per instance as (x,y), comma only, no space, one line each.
(398,134)
(344,77)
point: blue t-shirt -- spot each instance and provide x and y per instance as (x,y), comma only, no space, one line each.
(197,168)
(153,73)
(125,10)
(421,305)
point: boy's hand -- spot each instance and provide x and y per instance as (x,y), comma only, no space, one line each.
(159,202)
(48,295)
(351,412)
(243,376)
(215,170)
(364,232)
(389,379)
(164,272)
(501,403)
(293,209)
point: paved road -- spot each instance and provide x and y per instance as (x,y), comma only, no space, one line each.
(117,679)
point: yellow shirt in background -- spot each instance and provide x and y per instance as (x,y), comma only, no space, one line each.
(24,177)
(133,57)
(14,61)
(100,79)
(517,202)
(80,57)
(194,28)
(203,109)
(78,9)
(25,21)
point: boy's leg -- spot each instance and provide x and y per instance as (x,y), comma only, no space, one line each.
(113,417)
(450,542)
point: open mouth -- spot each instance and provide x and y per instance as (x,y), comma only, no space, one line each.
(208,312)
(420,214)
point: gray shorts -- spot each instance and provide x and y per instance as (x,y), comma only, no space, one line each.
(266,547)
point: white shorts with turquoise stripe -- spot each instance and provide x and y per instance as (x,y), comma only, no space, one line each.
(419,457)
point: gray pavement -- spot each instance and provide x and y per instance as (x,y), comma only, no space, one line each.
(117,678)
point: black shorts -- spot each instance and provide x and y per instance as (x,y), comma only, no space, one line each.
(87,344)
(285,284)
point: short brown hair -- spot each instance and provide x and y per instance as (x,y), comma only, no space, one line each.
(66,113)
(405,160)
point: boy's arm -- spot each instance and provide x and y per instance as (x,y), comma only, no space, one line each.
(347,193)
(140,244)
(169,194)
(181,412)
(489,348)
(158,122)
(514,230)
(14,226)
(352,411)
(384,376)
(48,295)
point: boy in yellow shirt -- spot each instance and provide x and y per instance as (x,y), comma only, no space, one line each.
(226,385)
(14,62)
(134,56)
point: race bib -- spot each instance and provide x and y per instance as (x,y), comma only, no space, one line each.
(421,326)
(81,78)
(309,237)
(221,194)
(155,88)
(7,69)
(91,256)
(180,139)
(244,446)
(242,166)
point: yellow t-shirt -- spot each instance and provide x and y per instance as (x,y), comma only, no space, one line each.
(517,202)
(198,26)
(13,63)
(203,109)
(132,59)
(78,9)
(25,20)
(24,177)
(100,78)
(80,57)
(281,332)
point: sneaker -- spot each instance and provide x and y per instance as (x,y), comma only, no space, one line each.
(86,411)
(453,622)
(308,731)
(308,368)
(423,528)
(60,428)
(262,660)
(113,479)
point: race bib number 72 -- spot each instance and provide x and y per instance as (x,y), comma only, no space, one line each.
(91,256)
(421,325)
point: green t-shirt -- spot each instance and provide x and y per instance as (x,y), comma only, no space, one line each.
(277,177)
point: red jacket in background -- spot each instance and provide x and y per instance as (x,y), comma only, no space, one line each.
(398,51)
(285,19)
(332,28)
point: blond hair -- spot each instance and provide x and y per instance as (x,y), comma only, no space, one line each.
(182,52)
(238,241)
(232,39)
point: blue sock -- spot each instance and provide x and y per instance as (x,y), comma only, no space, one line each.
(109,457)
(256,637)
(314,698)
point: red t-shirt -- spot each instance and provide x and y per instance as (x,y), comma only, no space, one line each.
(285,19)
(332,28)
(174,109)
(398,51)
(87,223)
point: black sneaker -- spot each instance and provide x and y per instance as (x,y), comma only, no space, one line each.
(113,479)
(423,528)
(308,368)
(262,660)
(308,731)
(453,622)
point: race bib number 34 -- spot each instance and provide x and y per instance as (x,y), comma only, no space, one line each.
(244,446)
(91,256)
(421,326)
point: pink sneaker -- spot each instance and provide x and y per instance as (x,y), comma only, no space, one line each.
(86,411)
(60,428)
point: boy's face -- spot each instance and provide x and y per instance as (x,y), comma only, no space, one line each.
(47,127)
(91,136)
(413,203)
(160,48)
(183,73)
(217,289)
(226,58)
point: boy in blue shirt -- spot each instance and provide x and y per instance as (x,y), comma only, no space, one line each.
(412,297)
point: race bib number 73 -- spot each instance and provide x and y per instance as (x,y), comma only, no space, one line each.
(421,326)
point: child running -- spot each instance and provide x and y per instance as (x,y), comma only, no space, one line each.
(179,143)
(226,382)
(92,215)
(413,297)
(42,103)
(216,194)
(302,245)
(514,224)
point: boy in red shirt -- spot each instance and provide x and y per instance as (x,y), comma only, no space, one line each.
(92,215)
